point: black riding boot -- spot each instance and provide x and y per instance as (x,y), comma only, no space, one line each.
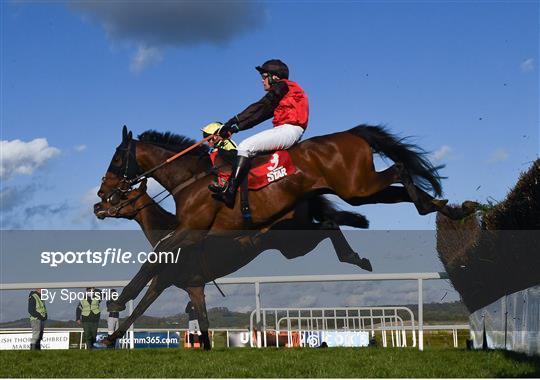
(215,188)
(240,171)
(205,340)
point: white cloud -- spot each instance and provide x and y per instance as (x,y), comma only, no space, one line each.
(80,148)
(441,153)
(90,198)
(499,155)
(527,65)
(11,197)
(145,57)
(20,157)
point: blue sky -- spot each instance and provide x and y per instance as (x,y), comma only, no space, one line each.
(460,76)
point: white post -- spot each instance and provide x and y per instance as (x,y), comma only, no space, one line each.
(277,327)
(258,313)
(420,317)
(132,327)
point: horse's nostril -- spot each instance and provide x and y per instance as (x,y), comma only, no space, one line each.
(97,207)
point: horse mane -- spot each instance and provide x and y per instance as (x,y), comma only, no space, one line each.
(172,141)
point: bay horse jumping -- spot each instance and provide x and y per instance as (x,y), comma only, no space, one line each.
(340,163)
(314,220)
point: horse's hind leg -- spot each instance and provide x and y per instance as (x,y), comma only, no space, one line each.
(344,251)
(426,204)
(364,181)
(196,294)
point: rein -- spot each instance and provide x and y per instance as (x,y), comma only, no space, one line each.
(144,175)
(112,211)
(129,183)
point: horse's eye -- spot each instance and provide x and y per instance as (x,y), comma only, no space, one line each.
(103,179)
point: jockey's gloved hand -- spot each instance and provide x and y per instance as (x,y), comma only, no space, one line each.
(228,129)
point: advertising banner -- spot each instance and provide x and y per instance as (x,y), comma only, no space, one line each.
(239,339)
(146,339)
(335,338)
(21,341)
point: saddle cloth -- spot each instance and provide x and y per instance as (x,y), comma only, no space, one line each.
(277,166)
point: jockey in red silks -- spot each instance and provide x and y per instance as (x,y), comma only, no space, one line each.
(287,103)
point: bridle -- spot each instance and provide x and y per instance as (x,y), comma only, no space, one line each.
(129,176)
(118,197)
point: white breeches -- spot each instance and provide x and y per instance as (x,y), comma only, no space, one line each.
(277,138)
(112,325)
(193,327)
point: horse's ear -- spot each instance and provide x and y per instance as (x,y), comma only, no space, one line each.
(130,135)
(124,133)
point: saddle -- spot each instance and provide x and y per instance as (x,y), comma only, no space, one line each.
(265,169)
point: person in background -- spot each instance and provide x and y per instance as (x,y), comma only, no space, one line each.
(112,320)
(88,314)
(193,324)
(38,316)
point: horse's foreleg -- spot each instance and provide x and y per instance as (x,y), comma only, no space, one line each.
(135,286)
(196,294)
(148,270)
(153,292)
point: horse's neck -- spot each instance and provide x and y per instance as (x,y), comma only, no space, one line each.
(174,173)
(154,220)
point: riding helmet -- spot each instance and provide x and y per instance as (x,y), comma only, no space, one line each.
(275,67)
(211,128)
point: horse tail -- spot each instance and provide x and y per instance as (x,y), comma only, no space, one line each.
(321,209)
(425,175)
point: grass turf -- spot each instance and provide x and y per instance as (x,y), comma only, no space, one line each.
(270,362)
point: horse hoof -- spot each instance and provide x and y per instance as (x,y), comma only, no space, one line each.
(108,341)
(115,306)
(365,264)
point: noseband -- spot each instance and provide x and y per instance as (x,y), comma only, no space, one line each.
(126,172)
(122,194)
